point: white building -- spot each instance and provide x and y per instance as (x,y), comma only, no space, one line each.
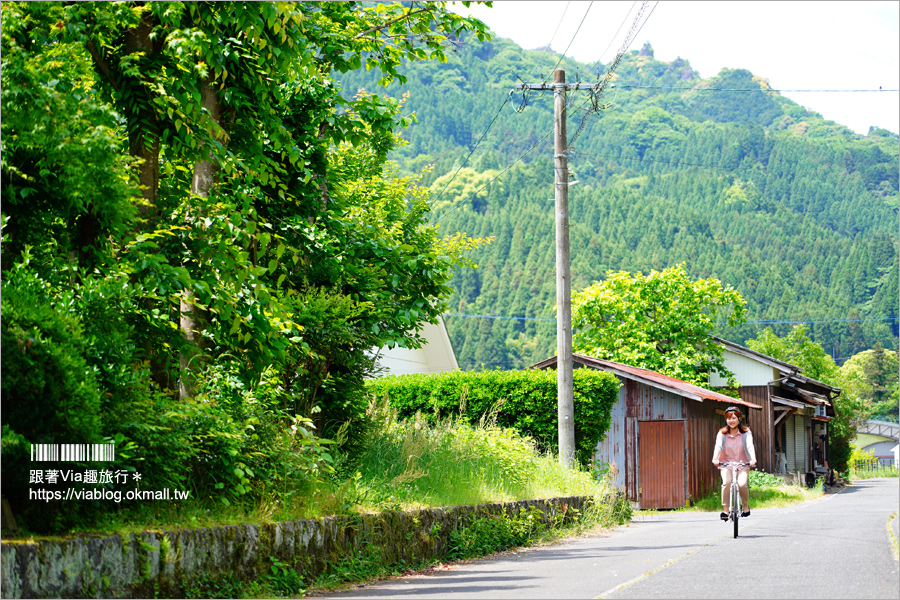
(436,356)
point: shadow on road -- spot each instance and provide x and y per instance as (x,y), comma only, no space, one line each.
(442,583)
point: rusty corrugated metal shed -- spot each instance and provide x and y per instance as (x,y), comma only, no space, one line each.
(661,450)
(651,378)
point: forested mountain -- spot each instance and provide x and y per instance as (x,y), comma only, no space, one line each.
(725,175)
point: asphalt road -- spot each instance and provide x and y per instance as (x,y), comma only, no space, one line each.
(838,546)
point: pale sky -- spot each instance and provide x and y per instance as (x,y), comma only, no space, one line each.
(796,45)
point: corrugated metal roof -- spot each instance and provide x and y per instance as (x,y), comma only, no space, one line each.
(652,378)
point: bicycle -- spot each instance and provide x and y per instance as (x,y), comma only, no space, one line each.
(734,512)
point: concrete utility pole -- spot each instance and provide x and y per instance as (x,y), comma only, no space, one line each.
(565,393)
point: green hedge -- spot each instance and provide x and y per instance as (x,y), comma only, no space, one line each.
(523,400)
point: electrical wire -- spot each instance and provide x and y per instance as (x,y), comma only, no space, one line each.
(459,203)
(624,49)
(677,164)
(491,124)
(615,35)
(704,89)
(563,55)
(550,44)
(600,87)
(763,322)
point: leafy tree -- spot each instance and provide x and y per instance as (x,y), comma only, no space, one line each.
(850,408)
(196,165)
(875,372)
(661,321)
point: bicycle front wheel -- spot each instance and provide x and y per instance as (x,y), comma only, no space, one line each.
(735,509)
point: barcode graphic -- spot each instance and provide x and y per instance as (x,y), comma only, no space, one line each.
(72,452)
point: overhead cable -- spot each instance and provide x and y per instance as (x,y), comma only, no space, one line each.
(563,55)
(511,165)
(600,87)
(707,89)
(550,43)
(763,322)
(491,124)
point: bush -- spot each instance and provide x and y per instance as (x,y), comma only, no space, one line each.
(73,374)
(522,400)
(763,479)
(50,392)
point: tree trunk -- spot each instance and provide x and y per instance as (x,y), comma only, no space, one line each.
(193,319)
(143,123)
(143,143)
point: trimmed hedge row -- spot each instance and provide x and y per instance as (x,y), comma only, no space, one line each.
(522,400)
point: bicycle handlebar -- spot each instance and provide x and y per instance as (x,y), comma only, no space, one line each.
(735,464)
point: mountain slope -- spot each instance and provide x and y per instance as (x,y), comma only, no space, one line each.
(798,213)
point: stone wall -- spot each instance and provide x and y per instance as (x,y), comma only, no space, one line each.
(161,563)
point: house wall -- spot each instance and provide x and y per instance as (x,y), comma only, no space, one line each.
(761,424)
(881,449)
(746,371)
(797,446)
(636,402)
(864,440)
(639,402)
(611,450)
(702,424)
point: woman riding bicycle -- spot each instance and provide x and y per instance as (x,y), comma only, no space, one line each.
(734,443)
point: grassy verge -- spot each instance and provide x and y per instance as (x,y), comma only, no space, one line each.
(410,464)
(872,473)
(481,537)
(766,491)
(404,464)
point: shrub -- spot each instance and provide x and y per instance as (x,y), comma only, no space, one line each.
(49,392)
(522,400)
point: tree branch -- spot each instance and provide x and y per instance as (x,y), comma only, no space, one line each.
(389,23)
(102,64)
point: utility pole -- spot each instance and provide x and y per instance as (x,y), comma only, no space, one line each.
(565,391)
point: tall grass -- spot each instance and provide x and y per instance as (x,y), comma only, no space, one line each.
(404,464)
(890,471)
(411,464)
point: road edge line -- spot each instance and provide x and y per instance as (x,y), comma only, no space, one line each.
(895,544)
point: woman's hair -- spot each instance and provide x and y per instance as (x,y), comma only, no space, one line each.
(741,427)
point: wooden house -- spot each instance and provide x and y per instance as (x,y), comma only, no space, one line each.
(791,430)
(662,436)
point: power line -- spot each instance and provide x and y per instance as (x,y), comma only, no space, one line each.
(764,322)
(550,43)
(501,109)
(563,55)
(461,202)
(498,317)
(600,87)
(677,164)
(613,39)
(491,124)
(707,89)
